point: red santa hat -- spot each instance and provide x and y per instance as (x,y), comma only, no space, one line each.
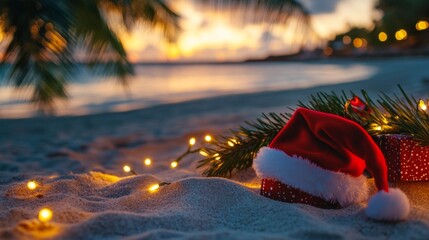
(325,155)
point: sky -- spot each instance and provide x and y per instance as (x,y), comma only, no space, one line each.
(213,37)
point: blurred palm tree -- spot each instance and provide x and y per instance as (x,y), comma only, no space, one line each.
(44,40)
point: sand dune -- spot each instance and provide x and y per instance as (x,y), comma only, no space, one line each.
(97,205)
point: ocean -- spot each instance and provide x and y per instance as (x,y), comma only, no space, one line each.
(156,84)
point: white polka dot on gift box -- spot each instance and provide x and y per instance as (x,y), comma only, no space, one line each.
(406,161)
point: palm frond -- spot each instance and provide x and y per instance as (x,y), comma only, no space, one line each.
(272,11)
(37,47)
(153,13)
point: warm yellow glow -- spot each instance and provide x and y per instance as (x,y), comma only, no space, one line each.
(32,185)
(377,127)
(382,36)
(192,141)
(173,52)
(45,215)
(231,144)
(154,187)
(357,42)
(347,40)
(204,153)
(401,35)
(127,168)
(147,162)
(422,25)
(208,138)
(173,164)
(422,105)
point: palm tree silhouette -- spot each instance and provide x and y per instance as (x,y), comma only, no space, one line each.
(41,38)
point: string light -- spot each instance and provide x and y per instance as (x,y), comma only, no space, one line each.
(147,161)
(32,185)
(45,215)
(208,138)
(173,164)
(422,105)
(216,156)
(192,141)
(127,168)
(203,153)
(377,127)
(154,187)
(230,143)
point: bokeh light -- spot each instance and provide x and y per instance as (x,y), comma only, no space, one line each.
(422,25)
(382,36)
(357,42)
(45,215)
(347,40)
(401,35)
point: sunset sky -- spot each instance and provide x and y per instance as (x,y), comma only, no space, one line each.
(211,37)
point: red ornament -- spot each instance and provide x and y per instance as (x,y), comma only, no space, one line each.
(358,106)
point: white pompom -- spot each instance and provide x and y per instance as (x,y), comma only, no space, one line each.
(388,206)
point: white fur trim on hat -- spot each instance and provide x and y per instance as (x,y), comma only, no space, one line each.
(389,206)
(306,176)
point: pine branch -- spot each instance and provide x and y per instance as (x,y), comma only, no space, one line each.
(397,115)
(236,152)
(407,118)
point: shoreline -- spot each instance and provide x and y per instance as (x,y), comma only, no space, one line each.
(411,68)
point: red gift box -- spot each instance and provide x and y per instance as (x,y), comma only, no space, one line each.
(406,161)
(279,191)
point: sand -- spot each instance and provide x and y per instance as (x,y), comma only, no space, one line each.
(78,161)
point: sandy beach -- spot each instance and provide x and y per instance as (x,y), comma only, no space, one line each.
(79,162)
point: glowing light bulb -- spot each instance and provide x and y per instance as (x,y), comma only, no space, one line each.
(32,185)
(204,153)
(357,42)
(127,169)
(231,144)
(382,36)
(208,138)
(422,105)
(422,25)
(154,187)
(147,162)
(173,164)
(192,141)
(401,34)
(45,215)
(216,156)
(377,127)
